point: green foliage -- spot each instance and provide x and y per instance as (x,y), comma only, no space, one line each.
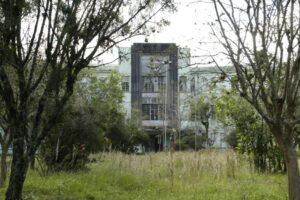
(201,111)
(232,139)
(105,97)
(251,135)
(94,121)
(187,141)
(71,141)
(201,108)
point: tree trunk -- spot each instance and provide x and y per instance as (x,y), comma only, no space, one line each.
(293,173)
(286,146)
(206,135)
(3,166)
(32,162)
(18,171)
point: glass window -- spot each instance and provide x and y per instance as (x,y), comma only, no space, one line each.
(182,83)
(152,111)
(161,82)
(193,85)
(149,87)
(146,111)
(125,86)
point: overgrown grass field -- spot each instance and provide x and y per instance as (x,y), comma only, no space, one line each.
(158,176)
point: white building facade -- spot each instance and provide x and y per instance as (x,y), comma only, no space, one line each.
(158,82)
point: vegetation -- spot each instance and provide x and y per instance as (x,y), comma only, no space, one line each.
(165,176)
(250,134)
(94,121)
(5,142)
(260,39)
(188,142)
(202,111)
(43,47)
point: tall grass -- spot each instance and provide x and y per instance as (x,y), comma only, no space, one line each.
(180,175)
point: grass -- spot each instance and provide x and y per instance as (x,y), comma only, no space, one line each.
(158,176)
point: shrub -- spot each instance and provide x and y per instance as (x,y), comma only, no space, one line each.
(71,142)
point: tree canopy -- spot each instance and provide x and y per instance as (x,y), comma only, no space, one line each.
(43,47)
(261,40)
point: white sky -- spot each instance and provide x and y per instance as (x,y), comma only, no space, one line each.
(188,28)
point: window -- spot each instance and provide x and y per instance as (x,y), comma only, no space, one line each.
(160,83)
(149,87)
(193,85)
(182,83)
(152,111)
(203,84)
(125,86)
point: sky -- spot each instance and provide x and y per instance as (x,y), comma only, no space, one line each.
(188,28)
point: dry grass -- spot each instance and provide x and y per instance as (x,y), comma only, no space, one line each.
(179,165)
(205,175)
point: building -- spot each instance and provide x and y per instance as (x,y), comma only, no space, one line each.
(158,80)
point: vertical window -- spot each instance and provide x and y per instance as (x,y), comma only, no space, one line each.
(146,111)
(160,83)
(203,84)
(182,84)
(193,84)
(154,112)
(125,86)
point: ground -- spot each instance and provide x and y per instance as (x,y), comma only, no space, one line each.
(158,176)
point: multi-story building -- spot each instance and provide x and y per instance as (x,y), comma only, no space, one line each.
(158,80)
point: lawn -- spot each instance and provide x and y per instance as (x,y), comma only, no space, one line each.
(180,176)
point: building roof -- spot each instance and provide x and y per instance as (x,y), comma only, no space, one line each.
(102,68)
(212,69)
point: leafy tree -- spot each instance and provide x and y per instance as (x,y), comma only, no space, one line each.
(250,134)
(71,141)
(43,47)
(104,97)
(188,142)
(94,118)
(202,111)
(261,40)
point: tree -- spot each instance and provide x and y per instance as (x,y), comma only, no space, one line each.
(94,119)
(69,144)
(5,142)
(202,111)
(249,133)
(43,47)
(261,40)
(104,98)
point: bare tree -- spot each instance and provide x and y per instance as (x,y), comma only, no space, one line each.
(261,39)
(43,47)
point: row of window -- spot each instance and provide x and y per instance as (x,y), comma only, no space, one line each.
(156,84)
(152,100)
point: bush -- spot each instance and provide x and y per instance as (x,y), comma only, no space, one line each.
(188,142)
(94,120)
(71,142)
